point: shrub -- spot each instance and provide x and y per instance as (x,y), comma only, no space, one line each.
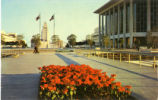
(79,82)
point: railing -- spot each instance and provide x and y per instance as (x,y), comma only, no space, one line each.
(143,59)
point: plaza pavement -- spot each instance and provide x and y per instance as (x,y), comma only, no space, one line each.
(20,76)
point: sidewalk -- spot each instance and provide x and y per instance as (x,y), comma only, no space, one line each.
(20,76)
(143,79)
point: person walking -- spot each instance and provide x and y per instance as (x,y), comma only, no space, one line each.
(36,49)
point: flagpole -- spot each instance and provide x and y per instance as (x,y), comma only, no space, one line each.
(40,26)
(54,24)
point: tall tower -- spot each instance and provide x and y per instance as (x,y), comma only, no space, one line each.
(44,35)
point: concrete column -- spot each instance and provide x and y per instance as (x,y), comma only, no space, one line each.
(102,25)
(105,25)
(113,32)
(100,30)
(102,33)
(109,29)
(148,16)
(124,24)
(131,23)
(118,44)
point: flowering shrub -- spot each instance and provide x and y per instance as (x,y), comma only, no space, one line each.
(78,82)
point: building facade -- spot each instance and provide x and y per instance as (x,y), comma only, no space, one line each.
(44,37)
(95,37)
(128,21)
(9,37)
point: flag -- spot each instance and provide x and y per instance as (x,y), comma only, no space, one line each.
(51,18)
(38,17)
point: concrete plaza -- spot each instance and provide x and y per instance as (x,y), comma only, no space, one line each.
(20,76)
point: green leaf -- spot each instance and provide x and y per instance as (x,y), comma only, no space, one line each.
(53,97)
(40,93)
(62,97)
(71,93)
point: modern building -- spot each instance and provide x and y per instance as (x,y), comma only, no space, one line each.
(9,37)
(9,40)
(128,21)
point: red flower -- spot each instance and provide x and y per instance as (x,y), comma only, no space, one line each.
(40,68)
(45,85)
(70,77)
(128,87)
(118,84)
(42,87)
(113,75)
(65,91)
(50,88)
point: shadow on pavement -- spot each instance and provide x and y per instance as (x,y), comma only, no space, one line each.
(67,60)
(19,86)
(109,65)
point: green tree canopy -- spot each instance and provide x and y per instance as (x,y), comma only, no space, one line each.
(36,40)
(106,40)
(72,39)
(55,38)
(20,37)
(89,40)
(2,39)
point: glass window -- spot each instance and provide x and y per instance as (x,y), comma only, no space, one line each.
(154,15)
(140,15)
(116,20)
(121,19)
(127,17)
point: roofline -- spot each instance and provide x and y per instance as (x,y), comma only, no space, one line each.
(106,5)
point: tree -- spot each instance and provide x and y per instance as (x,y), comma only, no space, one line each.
(72,39)
(36,40)
(152,41)
(2,39)
(106,40)
(89,40)
(20,37)
(55,38)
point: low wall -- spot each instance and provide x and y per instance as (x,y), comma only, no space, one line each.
(27,50)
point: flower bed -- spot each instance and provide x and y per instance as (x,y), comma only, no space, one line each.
(79,82)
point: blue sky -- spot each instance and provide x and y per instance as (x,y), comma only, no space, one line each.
(71,16)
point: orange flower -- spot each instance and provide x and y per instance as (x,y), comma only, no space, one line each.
(50,88)
(113,75)
(65,91)
(45,85)
(118,84)
(42,87)
(40,68)
(129,92)
(128,87)
(54,77)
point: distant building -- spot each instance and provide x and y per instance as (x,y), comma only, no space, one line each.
(128,21)
(9,39)
(44,37)
(95,37)
(58,44)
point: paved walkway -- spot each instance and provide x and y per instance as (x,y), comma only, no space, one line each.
(20,76)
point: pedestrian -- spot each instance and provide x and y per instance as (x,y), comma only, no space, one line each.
(36,49)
